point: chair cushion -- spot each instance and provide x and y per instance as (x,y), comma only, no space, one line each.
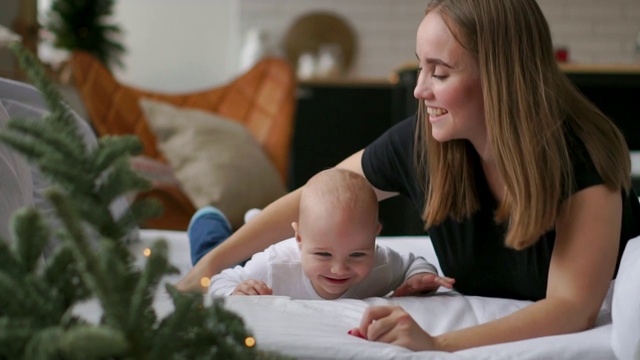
(216,160)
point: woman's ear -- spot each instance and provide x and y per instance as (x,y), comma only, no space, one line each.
(379,229)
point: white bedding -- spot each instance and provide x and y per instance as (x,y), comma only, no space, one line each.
(309,329)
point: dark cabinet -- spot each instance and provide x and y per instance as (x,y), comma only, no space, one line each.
(333,121)
(617,95)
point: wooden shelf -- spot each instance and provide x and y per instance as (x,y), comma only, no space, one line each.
(601,68)
(393,78)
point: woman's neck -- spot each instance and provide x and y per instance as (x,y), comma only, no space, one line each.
(493,177)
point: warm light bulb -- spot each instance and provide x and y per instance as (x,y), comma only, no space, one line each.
(147,252)
(204,282)
(250,341)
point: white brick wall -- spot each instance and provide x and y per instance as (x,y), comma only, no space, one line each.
(595,31)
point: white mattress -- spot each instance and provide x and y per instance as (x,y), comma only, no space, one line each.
(310,329)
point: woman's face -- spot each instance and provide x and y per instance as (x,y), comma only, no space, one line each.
(449,84)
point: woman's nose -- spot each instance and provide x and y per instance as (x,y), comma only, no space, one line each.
(423,88)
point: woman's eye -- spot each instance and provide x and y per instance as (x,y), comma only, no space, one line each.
(438,77)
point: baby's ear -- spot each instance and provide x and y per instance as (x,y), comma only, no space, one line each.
(294,225)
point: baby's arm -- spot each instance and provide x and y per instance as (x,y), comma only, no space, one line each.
(423,283)
(252,287)
(420,277)
(250,279)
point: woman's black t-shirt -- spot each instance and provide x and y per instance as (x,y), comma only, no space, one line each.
(473,251)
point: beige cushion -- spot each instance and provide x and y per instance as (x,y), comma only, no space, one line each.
(216,160)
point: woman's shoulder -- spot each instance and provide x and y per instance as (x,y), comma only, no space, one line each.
(388,161)
(405,127)
(585,173)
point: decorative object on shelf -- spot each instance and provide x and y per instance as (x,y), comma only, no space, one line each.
(306,66)
(37,302)
(325,36)
(255,47)
(562,54)
(82,25)
(329,61)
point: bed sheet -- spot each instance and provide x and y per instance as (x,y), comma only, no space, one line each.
(311,329)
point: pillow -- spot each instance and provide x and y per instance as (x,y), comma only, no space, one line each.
(216,160)
(625,311)
(153,170)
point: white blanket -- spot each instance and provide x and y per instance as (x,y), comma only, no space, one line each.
(312,329)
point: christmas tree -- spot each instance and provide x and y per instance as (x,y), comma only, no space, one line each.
(37,300)
(82,25)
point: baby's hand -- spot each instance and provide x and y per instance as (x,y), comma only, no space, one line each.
(423,283)
(252,287)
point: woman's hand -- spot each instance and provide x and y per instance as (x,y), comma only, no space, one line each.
(252,287)
(393,325)
(423,283)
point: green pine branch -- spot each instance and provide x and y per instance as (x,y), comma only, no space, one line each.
(81,25)
(34,299)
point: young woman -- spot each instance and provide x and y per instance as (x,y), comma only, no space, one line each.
(524,185)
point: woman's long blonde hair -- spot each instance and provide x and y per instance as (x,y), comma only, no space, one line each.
(529,104)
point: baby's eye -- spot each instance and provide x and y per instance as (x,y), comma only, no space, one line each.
(323,254)
(358,255)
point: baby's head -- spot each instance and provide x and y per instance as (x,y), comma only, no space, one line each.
(336,230)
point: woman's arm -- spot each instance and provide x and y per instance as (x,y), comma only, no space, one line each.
(273,224)
(582,265)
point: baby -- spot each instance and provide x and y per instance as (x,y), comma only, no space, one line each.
(333,254)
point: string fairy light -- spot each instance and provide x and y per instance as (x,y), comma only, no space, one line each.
(250,341)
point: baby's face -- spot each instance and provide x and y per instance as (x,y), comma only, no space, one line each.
(336,253)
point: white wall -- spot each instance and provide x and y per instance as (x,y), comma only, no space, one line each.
(178,45)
